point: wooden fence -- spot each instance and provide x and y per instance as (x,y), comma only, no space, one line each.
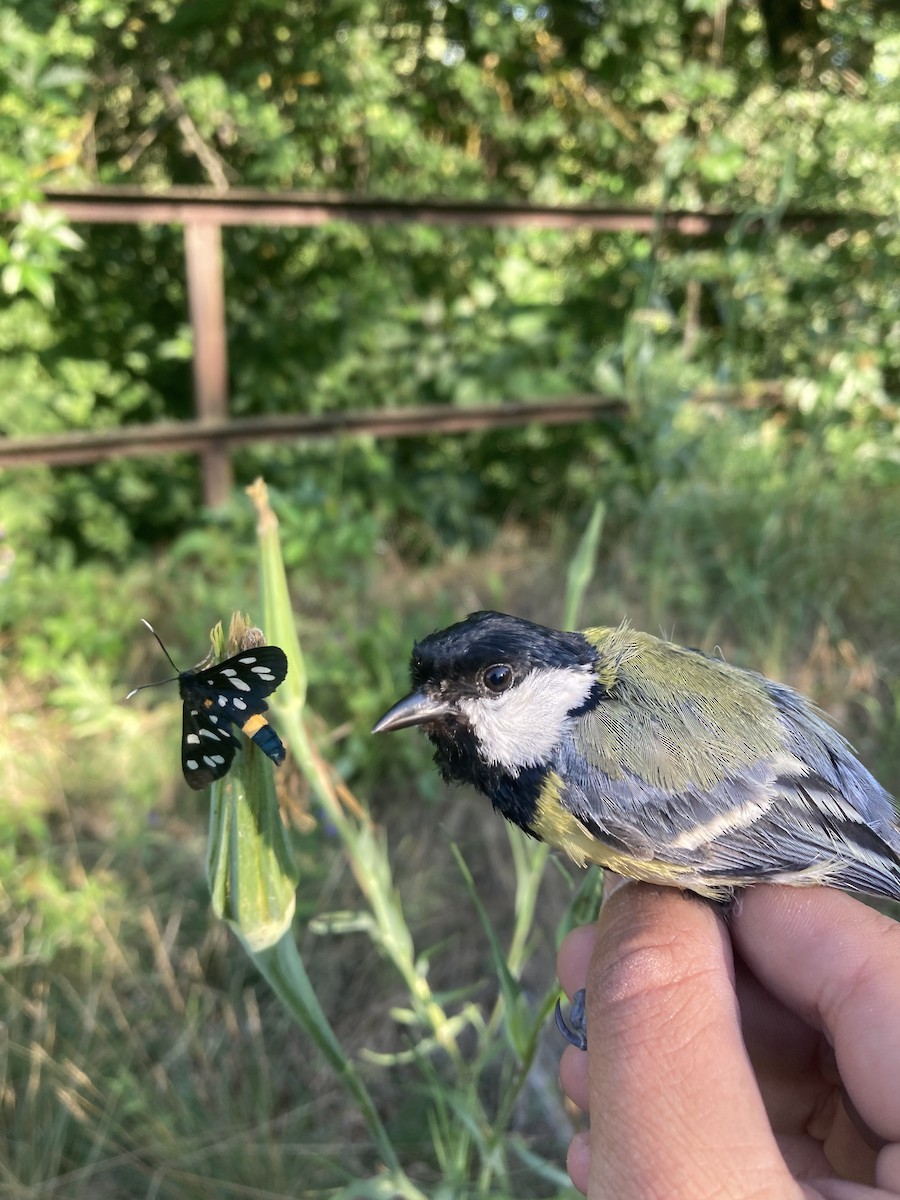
(202,212)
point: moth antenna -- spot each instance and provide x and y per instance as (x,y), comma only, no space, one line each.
(159,682)
(164,650)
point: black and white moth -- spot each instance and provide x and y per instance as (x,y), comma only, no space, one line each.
(215,698)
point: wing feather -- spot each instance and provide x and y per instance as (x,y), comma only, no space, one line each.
(741,781)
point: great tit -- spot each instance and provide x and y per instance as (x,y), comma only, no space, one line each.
(659,762)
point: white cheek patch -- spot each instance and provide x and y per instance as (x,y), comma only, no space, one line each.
(521,728)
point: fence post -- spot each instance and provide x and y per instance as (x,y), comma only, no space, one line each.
(206,302)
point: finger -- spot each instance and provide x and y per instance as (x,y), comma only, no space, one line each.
(887,1169)
(786,1055)
(578,1159)
(804,1156)
(675,1107)
(572,963)
(783,1049)
(775,1035)
(574,956)
(836,963)
(572,966)
(573,1076)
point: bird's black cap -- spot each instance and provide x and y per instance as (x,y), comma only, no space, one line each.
(483,638)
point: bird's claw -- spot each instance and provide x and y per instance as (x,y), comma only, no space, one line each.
(575,1029)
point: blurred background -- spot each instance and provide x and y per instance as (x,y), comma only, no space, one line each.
(738,448)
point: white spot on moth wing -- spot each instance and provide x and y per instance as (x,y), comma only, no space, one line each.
(520,728)
(192,739)
(247,661)
(233,680)
(191,764)
(223,700)
(238,703)
(264,673)
(209,733)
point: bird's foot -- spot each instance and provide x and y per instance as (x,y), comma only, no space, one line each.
(574,1030)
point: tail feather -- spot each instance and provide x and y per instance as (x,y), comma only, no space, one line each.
(871,879)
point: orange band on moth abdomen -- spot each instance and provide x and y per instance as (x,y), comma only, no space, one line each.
(254,725)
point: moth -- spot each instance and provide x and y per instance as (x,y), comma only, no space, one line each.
(218,697)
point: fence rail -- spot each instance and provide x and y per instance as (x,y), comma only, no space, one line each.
(247,206)
(170,437)
(203,212)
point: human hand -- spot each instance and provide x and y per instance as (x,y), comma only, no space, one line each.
(757,1058)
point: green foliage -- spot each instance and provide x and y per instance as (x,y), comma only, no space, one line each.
(685,105)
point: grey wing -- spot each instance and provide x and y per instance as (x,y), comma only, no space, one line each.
(811,813)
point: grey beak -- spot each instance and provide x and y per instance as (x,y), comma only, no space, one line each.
(418,708)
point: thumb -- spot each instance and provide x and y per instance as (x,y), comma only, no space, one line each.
(675,1108)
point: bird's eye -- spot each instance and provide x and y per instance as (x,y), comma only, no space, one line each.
(498,677)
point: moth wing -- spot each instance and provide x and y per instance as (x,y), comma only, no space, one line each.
(207,745)
(250,676)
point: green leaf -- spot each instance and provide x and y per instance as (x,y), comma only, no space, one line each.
(515,1009)
(582,566)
